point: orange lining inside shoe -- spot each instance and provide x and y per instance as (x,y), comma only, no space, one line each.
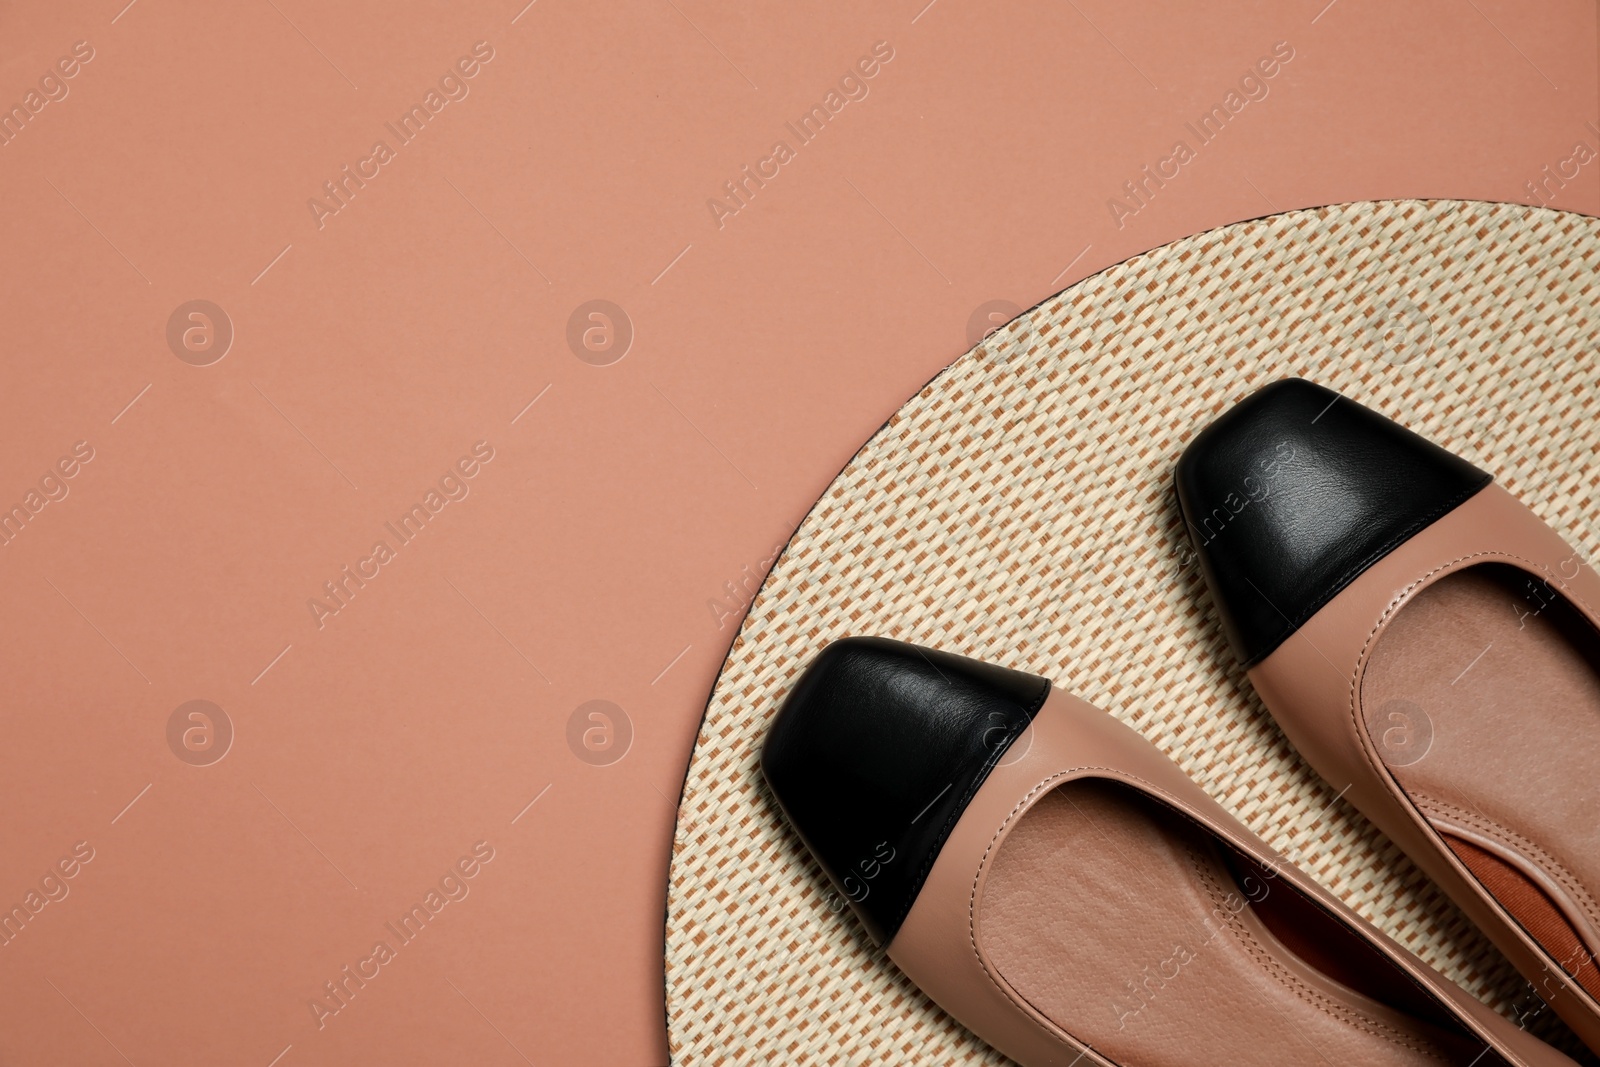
(1534,909)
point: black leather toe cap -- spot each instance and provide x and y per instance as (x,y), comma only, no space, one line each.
(876,752)
(1295,492)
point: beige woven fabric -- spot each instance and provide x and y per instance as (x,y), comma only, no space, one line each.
(1019,509)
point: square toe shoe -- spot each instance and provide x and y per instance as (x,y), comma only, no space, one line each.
(1430,646)
(1062,889)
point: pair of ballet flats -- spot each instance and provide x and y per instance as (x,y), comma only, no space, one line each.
(1055,883)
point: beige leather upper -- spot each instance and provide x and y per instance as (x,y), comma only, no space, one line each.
(940,945)
(1313,682)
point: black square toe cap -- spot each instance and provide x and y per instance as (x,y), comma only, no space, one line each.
(1294,492)
(875,753)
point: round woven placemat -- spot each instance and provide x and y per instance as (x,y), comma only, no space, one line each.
(1019,509)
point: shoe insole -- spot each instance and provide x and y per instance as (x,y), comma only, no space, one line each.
(1120,921)
(1483,697)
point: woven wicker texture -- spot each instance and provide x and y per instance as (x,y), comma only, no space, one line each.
(1019,509)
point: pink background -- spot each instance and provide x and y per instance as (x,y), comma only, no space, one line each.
(593,555)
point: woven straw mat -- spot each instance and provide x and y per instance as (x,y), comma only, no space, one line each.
(1019,509)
